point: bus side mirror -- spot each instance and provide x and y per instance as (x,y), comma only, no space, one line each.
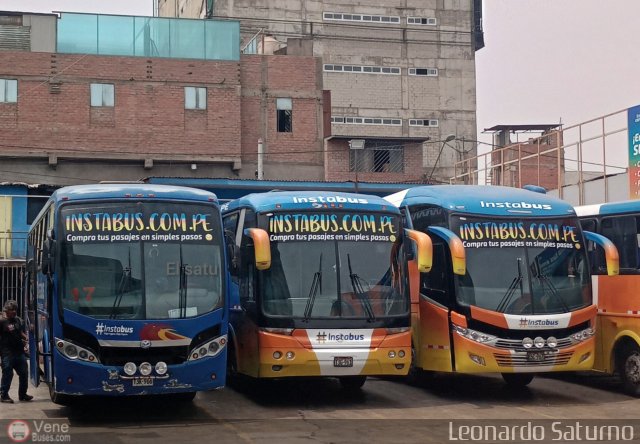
(261,247)
(610,251)
(456,249)
(424,246)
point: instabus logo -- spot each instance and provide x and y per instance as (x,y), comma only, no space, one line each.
(321,338)
(525,322)
(330,199)
(102,329)
(516,205)
(339,337)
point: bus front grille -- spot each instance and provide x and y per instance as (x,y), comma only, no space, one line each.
(520,360)
(516,344)
(121,355)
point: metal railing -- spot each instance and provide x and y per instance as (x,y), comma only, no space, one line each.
(566,160)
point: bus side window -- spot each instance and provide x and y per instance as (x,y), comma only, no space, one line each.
(435,284)
(623,232)
(596,258)
(230,224)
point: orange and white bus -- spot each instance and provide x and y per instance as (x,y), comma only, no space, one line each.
(617,297)
(506,293)
(319,285)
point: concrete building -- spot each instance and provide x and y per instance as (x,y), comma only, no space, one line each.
(401,75)
(86,97)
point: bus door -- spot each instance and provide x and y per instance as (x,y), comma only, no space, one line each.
(31,316)
(246,327)
(433,347)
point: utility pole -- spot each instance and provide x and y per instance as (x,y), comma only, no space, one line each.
(260,159)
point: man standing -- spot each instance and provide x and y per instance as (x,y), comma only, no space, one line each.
(12,351)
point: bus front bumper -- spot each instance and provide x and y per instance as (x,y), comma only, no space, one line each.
(474,357)
(284,356)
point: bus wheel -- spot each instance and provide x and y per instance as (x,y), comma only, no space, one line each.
(58,398)
(630,369)
(415,373)
(352,382)
(517,379)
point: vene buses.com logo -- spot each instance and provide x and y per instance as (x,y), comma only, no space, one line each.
(18,431)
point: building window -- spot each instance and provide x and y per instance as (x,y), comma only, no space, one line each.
(377,157)
(363,69)
(366,121)
(8,91)
(424,122)
(333,16)
(422,21)
(431,72)
(284,106)
(195,98)
(102,94)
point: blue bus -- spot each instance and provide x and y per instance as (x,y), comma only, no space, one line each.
(125,292)
(320,285)
(509,291)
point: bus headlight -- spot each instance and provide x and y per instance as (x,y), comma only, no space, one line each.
(539,342)
(161,368)
(145,369)
(71,351)
(130,369)
(582,335)
(552,342)
(474,335)
(527,342)
(210,348)
(75,351)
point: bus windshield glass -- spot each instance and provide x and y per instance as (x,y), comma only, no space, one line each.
(333,265)
(523,266)
(156,260)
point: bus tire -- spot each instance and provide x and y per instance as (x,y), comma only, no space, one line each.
(352,382)
(59,398)
(517,379)
(629,369)
(416,374)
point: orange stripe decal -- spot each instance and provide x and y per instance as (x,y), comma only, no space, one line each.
(489,317)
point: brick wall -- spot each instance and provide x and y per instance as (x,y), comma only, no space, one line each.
(337,165)
(53,113)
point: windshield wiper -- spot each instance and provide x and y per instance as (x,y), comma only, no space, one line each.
(544,280)
(515,283)
(316,284)
(124,286)
(360,292)
(182,298)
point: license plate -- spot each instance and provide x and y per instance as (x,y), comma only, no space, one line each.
(142,381)
(537,356)
(344,361)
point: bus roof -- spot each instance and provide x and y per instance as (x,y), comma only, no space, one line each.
(303,200)
(627,206)
(481,199)
(125,190)
(229,189)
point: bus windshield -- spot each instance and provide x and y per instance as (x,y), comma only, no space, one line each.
(523,266)
(141,261)
(339,275)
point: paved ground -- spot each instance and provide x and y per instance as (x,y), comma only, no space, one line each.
(436,410)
